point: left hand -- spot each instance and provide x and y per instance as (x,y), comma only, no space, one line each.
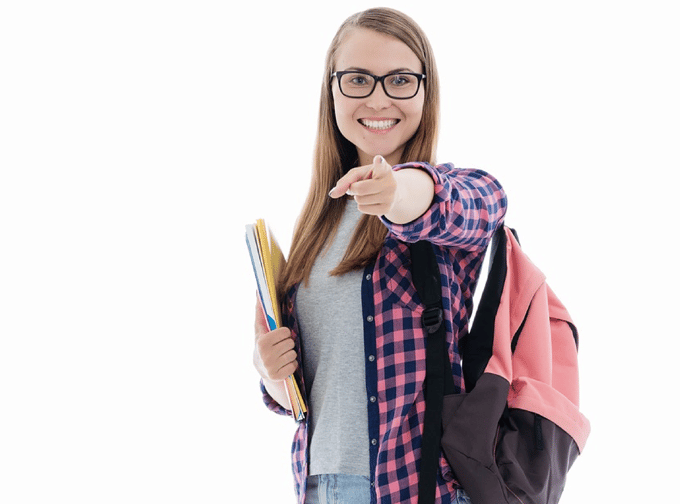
(373,186)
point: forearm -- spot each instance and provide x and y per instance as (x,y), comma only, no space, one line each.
(277,391)
(415,191)
(468,205)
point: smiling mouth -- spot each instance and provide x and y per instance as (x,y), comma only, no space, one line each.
(379,125)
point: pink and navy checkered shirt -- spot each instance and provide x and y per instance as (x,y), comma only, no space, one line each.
(468,206)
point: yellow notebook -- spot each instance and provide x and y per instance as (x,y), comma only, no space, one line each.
(268,261)
(272,261)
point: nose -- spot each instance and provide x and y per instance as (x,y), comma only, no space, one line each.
(378,100)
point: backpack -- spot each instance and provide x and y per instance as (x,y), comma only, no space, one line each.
(517,429)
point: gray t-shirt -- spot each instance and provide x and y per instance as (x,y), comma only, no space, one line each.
(329,312)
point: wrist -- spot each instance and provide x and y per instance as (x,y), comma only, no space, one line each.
(413,195)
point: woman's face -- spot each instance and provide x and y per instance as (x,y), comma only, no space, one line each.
(377,124)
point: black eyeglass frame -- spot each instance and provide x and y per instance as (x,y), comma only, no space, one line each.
(376,79)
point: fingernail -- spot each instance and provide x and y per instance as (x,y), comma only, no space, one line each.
(329,192)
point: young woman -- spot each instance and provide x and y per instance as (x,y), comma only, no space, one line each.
(353,333)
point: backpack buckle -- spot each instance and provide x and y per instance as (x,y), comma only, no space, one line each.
(432,319)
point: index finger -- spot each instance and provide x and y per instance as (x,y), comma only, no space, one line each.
(352,176)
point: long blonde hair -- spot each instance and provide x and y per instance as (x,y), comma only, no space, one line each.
(334,155)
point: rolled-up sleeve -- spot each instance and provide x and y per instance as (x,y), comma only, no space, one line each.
(468,205)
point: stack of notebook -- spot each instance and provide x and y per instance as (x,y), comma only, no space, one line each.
(268,261)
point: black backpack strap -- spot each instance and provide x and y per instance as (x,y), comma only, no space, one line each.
(439,378)
(476,351)
(477,347)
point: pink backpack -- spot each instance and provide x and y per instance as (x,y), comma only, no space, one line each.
(516,431)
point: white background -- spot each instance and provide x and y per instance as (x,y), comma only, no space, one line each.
(137,138)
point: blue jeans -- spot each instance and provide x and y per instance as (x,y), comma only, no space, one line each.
(349,489)
(338,489)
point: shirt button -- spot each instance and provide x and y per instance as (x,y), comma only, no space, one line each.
(368,277)
(372,398)
(370,318)
(371,358)
(374,442)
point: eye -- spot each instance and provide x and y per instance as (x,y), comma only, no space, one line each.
(357,80)
(401,80)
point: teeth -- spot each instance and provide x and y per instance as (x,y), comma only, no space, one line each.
(378,125)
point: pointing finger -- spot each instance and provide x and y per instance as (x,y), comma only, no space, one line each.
(354,175)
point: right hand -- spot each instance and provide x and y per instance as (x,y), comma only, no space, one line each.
(274,356)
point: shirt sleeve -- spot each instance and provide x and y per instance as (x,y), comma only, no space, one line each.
(468,206)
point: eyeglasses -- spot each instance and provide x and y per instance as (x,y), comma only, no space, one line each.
(397,85)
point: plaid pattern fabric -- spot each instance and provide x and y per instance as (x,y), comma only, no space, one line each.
(468,206)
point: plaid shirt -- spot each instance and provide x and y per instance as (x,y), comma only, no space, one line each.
(468,206)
